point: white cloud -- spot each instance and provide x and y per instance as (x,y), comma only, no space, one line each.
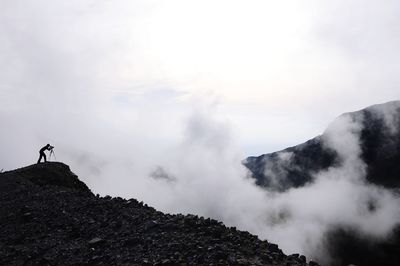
(288,59)
(111,84)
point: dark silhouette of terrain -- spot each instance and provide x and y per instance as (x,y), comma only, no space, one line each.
(380,151)
(307,158)
(49,217)
(346,246)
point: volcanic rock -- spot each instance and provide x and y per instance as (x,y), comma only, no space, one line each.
(49,217)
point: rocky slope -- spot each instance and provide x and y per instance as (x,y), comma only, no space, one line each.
(49,217)
(380,145)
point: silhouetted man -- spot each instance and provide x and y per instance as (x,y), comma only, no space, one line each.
(42,154)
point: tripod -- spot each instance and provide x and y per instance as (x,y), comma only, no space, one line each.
(52,153)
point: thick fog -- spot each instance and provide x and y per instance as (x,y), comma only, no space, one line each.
(136,113)
(339,197)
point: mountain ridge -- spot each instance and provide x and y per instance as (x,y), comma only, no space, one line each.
(360,149)
(380,146)
(50,217)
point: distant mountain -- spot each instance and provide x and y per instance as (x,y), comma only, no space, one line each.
(49,217)
(377,131)
(296,166)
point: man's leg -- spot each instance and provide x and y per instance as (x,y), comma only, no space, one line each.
(42,155)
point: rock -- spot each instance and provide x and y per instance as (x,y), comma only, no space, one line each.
(166,262)
(273,247)
(96,241)
(146,262)
(150,225)
(131,242)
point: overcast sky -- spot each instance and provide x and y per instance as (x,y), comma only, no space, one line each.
(161,100)
(277,72)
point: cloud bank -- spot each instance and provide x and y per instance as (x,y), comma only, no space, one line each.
(118,88)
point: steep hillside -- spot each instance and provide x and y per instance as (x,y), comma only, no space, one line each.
(362,150)
(49,217)
(296,166)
